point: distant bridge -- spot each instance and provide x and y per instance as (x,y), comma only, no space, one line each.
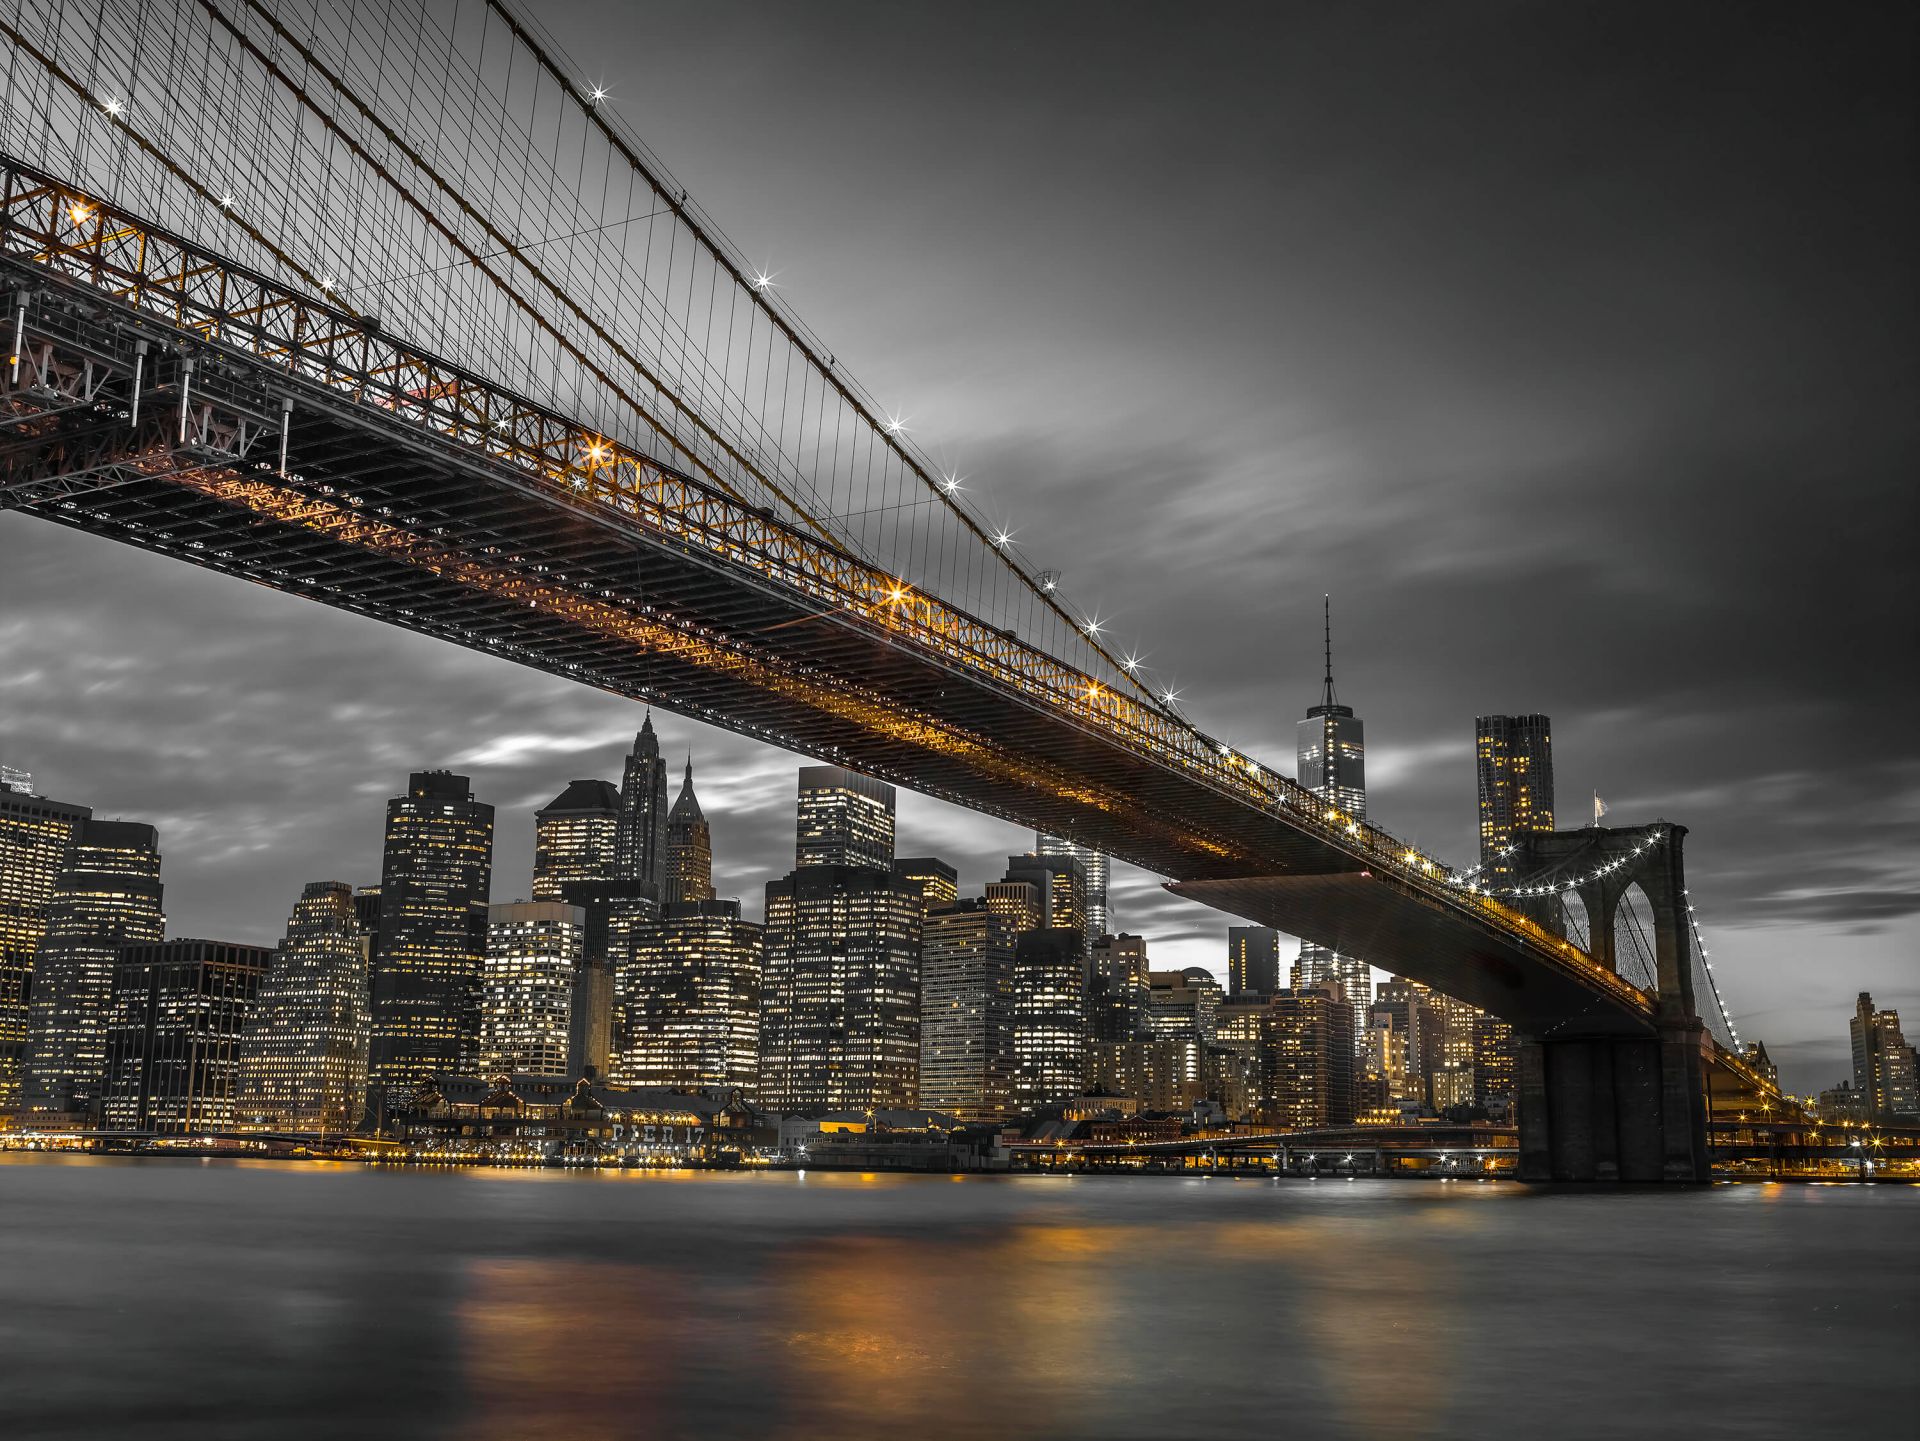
(279,315)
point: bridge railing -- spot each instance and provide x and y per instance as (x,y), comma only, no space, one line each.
(206,298)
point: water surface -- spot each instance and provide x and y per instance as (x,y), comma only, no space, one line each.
(171,1299)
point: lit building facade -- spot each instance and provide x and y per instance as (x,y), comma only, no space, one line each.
(1049,1018)
(1183,1005)
(1021,904)
(1061,881)
(939,882)
(1253,960)
(840,1014)
(178,1014)
(689,868)
(436,869)
(640,843)
(1118,989)
(575,839)
(303,1055)
(1286,1060)
(107,896)
(689,992)
(535,951)
(1513,759)
(1098,871)
(1883,1063)
(1162,1075)
(844,819)
(967,1012)
(1330,760)
(36,835)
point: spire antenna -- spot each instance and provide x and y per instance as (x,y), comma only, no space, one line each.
(1327,617)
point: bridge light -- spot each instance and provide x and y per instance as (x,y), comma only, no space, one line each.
(80,213)
(950,482)
(896,424)
(600,92)
(113,108)
(1003,538)
(1131,663)
(1093,627)
(763,279)
(226,200)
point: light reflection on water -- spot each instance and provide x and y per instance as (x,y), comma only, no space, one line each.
(175,1299)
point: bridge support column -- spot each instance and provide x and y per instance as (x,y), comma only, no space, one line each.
(1613,1108)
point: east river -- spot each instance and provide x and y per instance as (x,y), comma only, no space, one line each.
(160,1299)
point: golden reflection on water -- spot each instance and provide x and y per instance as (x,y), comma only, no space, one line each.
(1027,1322)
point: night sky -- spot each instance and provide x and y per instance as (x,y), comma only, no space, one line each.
(1571,348)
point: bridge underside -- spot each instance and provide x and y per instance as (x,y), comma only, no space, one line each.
(1369,915)
(378,516)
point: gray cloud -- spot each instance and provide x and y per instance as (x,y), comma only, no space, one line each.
(1570,349)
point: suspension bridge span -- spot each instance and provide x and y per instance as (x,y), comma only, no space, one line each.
(286,299)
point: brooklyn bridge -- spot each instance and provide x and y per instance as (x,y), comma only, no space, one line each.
(405,321)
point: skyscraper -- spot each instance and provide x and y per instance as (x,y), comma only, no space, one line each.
(36,835)
(108,896)
(1253,960)
(176,1021)
(967,1012)
(1883,1063)
(535,951)
(640,847)
(1118,989)
(1061,881)
(1513,755)
(1295,1058)
(689,847)
(1049,1018)
(690,996)
(939,882)
(1099,917)
(303,1056)
(1183,1004)
(843,819)
(840,1015)
(436,870)
(574,839)
(1330,761)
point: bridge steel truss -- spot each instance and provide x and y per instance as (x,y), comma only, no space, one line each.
(165,396)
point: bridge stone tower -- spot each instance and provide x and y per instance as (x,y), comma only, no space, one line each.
(1602,1106)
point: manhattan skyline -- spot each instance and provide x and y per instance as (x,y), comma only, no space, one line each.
(1577,485)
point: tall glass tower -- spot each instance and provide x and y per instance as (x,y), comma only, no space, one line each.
(640,846)
(1514,757)
(1099,918)
(1331,761)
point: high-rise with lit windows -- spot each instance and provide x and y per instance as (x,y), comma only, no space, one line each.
(574,839)
(843,819)
(36,835)
(1049,1018)
(535,949)
(1330,761)
(1061,881)
(967,1012)
(435,873)
(107,896)
(1513,757)
(1883,1064)
(689,996)
(178,1013)
(1290,1056)
(1098,870)
(939,882)
(303,1055)
(689,864)
(1119,987)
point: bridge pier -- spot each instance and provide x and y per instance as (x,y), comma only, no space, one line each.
(1614,1108)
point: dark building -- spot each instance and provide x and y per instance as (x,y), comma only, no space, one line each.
(432,943)
(689,847)
(640,846)
(574,839)
(1119,989)
(1253,960)
(108,896)
(36,836)
(1513,755)
(178,1013)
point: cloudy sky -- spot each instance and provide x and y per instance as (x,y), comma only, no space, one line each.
(1572,349)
